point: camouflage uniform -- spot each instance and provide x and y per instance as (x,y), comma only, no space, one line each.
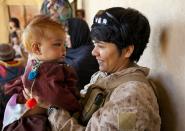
(132,106)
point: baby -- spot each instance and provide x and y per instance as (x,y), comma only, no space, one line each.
(47,81)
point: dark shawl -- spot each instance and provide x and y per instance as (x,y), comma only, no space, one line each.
(79,56)
(79,32)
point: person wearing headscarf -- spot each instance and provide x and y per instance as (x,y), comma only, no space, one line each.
(59,10)
(79,50)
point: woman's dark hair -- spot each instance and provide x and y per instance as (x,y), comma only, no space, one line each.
(123,27)
(79,32)
(15,21)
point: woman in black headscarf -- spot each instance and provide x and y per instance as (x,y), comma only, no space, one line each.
(79,50)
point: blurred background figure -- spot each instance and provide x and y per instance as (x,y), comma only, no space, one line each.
(80,14)
(59,10)
(14,26)
(16,43)
(20,52)
(9,70)
(79,46)
(15,39)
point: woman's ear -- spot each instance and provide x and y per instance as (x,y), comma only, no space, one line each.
(36,48)
(128,51)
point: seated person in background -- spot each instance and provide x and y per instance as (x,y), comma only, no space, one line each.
(126,100)
(79,50)
(10,68)
(47,81)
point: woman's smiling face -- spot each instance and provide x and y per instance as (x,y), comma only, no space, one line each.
(109,58)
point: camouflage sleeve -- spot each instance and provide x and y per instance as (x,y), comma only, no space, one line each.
(131,108)
(61,120)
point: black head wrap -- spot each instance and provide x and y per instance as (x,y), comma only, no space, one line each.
(79,32)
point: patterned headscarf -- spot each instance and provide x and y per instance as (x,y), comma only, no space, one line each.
(59,10)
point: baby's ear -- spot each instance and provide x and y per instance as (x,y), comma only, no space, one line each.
(35,47)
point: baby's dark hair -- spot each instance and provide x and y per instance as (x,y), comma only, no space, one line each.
(123,27)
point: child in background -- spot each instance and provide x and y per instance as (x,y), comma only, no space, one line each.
(14,26)
(15,41)
(20,52)
(47,81)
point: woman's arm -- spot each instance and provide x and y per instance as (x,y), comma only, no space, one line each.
(132,106)
(61,120)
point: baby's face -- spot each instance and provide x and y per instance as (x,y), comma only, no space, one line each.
(53,47)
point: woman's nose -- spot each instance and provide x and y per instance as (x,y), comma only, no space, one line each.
(94,52)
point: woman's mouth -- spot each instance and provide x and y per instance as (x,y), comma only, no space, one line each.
(100,62)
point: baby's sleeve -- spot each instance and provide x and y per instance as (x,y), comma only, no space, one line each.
(60,89)
(14,86)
